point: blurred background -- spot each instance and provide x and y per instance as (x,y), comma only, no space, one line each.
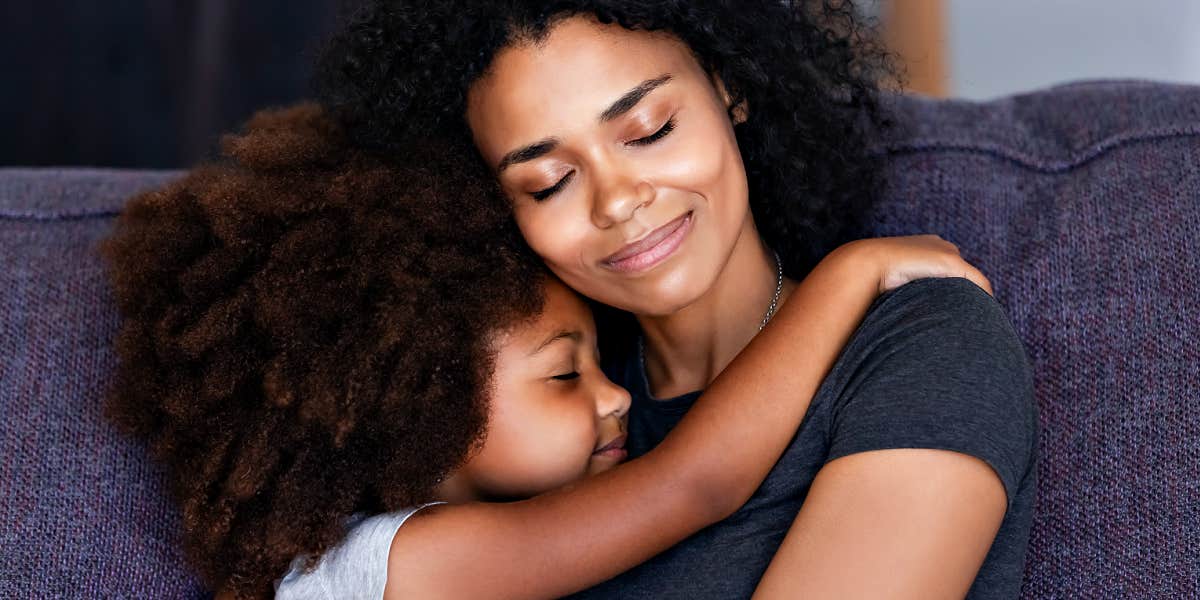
(153,83)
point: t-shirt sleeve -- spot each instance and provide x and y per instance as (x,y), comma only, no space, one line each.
(356,568)
(936,364)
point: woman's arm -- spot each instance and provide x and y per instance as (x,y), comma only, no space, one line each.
(929,441)
(899,523)
(721,451)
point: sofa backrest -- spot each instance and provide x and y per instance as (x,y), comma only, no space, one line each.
(84,514)
(1081,203)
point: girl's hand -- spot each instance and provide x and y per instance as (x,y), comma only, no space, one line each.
(901,259)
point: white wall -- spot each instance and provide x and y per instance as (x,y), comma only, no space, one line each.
(998,47)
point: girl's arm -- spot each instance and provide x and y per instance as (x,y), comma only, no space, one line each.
(709,465)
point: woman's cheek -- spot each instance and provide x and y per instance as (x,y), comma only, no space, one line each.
(709,160)
(561,237)
(546,228)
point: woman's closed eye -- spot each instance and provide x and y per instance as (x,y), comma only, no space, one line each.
(567,376)
(662,132)
(550,191)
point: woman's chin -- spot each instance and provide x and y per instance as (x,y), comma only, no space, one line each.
(669,296)
(665,290)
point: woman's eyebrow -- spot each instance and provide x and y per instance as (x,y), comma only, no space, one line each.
(623,105)
(527,153)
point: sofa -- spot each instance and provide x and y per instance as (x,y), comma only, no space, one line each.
(1080,202)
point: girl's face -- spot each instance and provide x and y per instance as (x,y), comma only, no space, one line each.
(555,417)
(618,153)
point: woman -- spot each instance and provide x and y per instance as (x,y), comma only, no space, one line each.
(657,156)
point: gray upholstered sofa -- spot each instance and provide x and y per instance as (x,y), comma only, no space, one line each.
(1080,202)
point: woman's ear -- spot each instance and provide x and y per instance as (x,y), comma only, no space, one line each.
(739,112)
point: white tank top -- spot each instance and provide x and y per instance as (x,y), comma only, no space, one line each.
(354,569)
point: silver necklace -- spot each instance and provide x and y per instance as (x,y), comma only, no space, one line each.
(775,298)
(766,318)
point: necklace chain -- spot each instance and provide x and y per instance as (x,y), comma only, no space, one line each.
(766,318)
(778,288)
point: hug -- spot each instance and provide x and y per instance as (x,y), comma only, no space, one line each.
(572,298)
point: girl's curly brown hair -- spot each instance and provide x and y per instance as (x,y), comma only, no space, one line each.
(306,335)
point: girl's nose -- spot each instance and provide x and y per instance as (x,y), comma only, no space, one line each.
(611,399)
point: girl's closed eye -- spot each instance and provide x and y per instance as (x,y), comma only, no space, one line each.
(567,376)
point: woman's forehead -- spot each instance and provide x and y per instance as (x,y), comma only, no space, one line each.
(577,71)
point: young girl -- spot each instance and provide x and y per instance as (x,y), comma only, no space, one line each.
(319,343)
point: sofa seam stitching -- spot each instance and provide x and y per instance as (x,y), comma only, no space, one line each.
(1031,162)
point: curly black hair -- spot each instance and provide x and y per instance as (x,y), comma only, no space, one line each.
(306,334)
(398,71)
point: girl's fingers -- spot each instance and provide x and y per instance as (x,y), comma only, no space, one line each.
(976,276)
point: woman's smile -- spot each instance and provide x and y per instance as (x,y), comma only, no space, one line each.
(652,249)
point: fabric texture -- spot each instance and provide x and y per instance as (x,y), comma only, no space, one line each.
(1081,203)
(355,569)
(934,364)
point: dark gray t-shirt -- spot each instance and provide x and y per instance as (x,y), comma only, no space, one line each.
(934,364)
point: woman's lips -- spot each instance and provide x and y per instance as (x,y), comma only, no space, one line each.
(652,249)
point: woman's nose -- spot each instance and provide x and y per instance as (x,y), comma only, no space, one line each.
(617,197)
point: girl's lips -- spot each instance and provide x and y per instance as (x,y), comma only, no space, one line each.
(652,249)
(617,454)
(616,444)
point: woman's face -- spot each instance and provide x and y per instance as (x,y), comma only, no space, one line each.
(555,418)
(618,154)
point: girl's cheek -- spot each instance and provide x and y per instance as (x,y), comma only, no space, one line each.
(583,434)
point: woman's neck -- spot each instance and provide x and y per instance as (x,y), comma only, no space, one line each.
(686,350)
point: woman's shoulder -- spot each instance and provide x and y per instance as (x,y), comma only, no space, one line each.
(939,315)
(937,364)
(948,323)
(950,298)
